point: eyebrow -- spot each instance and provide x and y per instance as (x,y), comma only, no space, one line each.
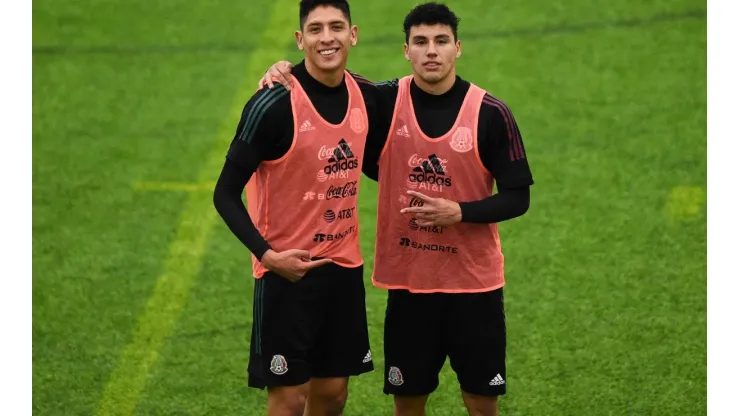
(334,22)
(420,37)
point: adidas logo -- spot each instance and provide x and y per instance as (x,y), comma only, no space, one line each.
(306,126)
(341,152)
(368,357)
(497,381)
(341,159)
(430,171)
(403,131)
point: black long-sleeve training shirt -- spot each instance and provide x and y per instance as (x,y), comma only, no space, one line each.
(263,134)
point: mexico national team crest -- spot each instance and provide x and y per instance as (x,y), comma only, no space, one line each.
(462,140)
(356,121)
(395,377)
(278,365)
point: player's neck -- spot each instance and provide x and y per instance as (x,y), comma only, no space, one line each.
(437,88)
(330,78)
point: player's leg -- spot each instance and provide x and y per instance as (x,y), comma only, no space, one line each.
(287,401)
(414,351)
(342,347)
(286,321)
(410,405)
(480,405)
(327,396)
(476,328)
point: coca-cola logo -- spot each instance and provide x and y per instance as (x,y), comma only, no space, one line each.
(416,202)
(349,189)
(416,160)
(327,152)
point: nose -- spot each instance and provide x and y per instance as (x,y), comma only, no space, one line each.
(431,50)
(326,35)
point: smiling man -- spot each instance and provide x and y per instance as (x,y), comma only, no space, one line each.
(438,247)
(300,154)
(438,250)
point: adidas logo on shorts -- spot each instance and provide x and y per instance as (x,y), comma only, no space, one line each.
(368,357)
(497,381)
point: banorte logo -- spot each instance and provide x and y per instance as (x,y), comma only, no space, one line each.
(407,242)
(321,237)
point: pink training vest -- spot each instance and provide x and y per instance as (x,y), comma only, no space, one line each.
(308,198)
(465,257)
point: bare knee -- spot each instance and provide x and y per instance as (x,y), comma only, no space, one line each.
(327,397)
(287,401)
(335,401)
(480,405)
(410,405)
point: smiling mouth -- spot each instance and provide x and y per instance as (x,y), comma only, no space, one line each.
(329,52)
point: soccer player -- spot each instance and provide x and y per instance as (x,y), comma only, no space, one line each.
(300,154)
(438,250)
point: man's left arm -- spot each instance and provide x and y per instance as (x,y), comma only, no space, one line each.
(378,111)
(501,149)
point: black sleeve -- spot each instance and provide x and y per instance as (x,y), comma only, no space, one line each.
(385,101)
(262,131)
(501,146)
(505,205)
(260,135)
(502,153)
(228,202)
(379,123)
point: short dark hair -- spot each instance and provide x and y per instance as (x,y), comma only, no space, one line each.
(307,7)
(430,14)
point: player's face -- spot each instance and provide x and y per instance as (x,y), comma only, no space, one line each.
(432,50)
(326,38)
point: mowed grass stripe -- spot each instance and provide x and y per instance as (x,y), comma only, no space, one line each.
(206,186)
(685,202)
(127,381)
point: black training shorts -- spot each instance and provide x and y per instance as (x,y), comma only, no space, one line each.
(314,328)
(423,329)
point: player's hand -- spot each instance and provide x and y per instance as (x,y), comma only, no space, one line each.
(434,211)
(291,264)
(279,72)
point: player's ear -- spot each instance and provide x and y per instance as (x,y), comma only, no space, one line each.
(458,44)
(406,51)
(353,35)
(299,39)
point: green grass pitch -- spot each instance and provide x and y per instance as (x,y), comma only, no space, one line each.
(142,297)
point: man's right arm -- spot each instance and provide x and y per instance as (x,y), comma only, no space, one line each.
(228,202)
(256,139)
